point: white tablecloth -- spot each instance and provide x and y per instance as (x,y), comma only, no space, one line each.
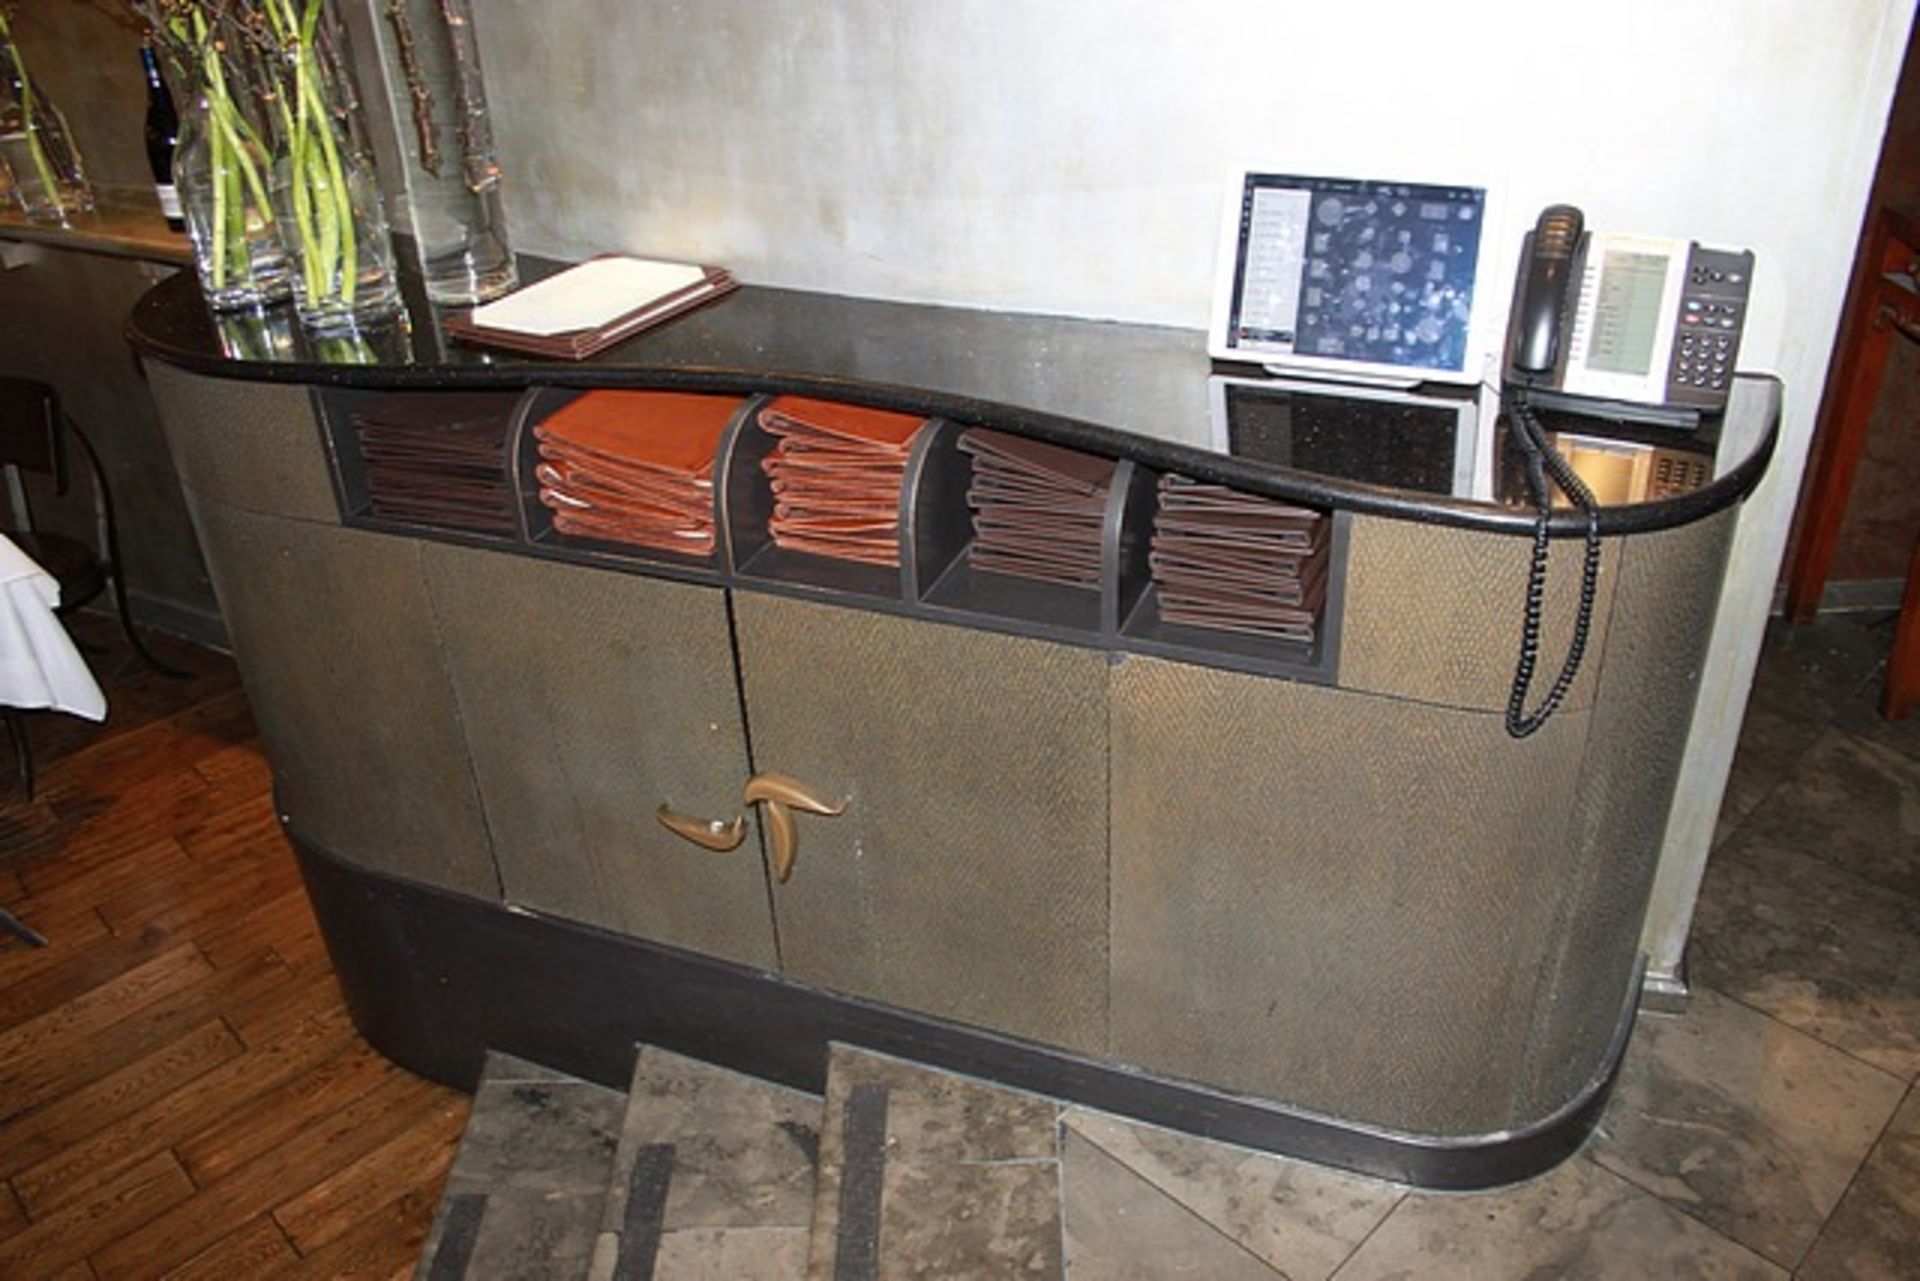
(39,666)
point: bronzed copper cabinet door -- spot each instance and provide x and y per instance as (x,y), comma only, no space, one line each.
(966,874)
(593,701)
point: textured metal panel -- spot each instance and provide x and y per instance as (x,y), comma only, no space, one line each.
(336,648)
(590,698)
(1662,619)
(1433,613)
(968,876)
(1331,899)
(250,445)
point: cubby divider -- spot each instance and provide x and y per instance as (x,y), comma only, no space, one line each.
(1127,543)
(935,524)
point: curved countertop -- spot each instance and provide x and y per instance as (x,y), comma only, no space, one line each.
(1123,390)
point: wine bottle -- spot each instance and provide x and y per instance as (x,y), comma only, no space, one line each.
(163,130)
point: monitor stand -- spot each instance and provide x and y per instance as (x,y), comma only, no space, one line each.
(1386,381)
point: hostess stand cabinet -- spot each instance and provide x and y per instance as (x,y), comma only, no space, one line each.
(1303,896)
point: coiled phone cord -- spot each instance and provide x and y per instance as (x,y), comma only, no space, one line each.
(1543,460)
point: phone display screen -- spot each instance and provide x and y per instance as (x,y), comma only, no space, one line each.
(1356,271)
(1626,312)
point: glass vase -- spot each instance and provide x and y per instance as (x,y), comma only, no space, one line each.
(326,196)
(49,181)
(452,206)
(222,173)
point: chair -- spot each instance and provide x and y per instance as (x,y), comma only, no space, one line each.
(33,436)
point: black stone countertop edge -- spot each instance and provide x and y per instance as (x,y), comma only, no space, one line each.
(765,340)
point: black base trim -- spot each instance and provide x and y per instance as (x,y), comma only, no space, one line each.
(434,980)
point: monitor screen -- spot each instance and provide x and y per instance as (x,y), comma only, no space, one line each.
(1371,277)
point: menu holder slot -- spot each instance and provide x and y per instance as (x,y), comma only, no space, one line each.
(747,504)
(423,461)
(543,529)
(951,583)
(1147,630)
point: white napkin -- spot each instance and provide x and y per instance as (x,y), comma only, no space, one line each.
(39,666)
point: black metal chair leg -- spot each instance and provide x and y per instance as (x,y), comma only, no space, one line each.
(116,566)
(22,749)
(20,929)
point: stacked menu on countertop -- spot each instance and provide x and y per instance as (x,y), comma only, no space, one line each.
(591,306)
(837,471)
(438,459)
(1237,562)
(1038,509)
(634,467)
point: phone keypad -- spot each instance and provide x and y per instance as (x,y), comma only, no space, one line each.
(1712,316)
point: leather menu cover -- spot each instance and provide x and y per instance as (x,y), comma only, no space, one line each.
(438,460)
(1038,510)
(578,344)
(1235,562)
(634,467)
(836,471)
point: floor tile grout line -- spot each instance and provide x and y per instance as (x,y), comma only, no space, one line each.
(1906,1080)
(1370,1233)
(1852,1179)
(1175,1201)
(1870,886)
(1683,1211)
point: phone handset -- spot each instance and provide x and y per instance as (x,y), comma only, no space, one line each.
(1542,311)
(1534,351)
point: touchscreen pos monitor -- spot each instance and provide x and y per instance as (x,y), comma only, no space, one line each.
(1355,279)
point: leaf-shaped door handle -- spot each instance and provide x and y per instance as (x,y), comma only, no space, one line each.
(708,834)
(782,795)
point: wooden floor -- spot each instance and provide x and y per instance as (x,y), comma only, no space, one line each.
(181,1092)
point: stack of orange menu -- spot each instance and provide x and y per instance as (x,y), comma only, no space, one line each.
(1238,562)
(836,473)
(634,467)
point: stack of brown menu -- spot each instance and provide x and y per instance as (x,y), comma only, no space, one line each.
(1038,509)
(634,467)
(1237,562)
(438,460)
(836,472)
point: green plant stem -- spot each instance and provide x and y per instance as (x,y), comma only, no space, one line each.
(322,199)
(34,147)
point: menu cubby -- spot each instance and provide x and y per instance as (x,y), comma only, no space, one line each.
(537,523)
(387,447)
(935,578)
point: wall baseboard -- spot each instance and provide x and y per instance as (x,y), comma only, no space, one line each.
(1851,596)
(189,622)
